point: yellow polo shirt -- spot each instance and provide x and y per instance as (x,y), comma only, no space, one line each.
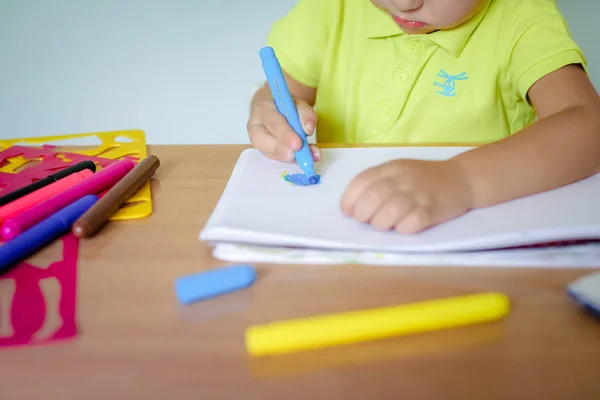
(376,84)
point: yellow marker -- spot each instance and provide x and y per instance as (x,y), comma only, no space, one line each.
(359,326)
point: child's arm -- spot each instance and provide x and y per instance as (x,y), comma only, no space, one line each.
(269,131)
(563,146)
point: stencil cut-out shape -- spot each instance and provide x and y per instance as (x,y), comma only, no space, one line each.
(47,255)
(37,306)
(51,291)
(28,164)
(123,139)
(7,292)
(63,157)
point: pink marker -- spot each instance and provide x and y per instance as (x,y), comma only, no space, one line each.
(96,183)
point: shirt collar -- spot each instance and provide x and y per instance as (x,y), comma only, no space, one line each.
(379,24)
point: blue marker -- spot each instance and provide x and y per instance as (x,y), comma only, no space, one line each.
(44,232)
(286,106)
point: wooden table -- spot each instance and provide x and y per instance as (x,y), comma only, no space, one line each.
(136,342)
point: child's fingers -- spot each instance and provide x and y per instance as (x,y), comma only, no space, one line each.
(277,126)
(371,199)
(316,152)
(262,140)
(308,117)
(393,211)
(357,186)
(416,220)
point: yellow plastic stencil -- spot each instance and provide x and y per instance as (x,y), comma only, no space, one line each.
(114,145)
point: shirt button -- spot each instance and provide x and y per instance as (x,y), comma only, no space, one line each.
(384,107)
(401,75)
(415,47)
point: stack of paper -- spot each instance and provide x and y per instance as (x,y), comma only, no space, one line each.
(261,217)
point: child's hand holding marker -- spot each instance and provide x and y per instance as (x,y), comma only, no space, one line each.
(269,131)
(287,124)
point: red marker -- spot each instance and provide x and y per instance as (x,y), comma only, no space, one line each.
(16,207)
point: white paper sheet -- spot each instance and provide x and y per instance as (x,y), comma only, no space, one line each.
(259,207)
(579,256)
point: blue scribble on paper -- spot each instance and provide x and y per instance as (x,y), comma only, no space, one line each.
(302,180)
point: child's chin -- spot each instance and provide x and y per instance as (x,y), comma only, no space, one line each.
(421,31)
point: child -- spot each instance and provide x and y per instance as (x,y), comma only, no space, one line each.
(504,74)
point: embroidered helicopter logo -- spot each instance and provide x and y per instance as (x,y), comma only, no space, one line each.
(449,85)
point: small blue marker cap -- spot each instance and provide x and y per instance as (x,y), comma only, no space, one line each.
(205,285)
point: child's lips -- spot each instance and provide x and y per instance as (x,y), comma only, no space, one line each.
(407,23)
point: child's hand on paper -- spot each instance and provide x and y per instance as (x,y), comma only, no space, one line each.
(408,195)
(271,134)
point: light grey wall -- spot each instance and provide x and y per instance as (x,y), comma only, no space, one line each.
(582,16)
(182,70)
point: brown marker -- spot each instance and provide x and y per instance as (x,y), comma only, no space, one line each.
(106,206)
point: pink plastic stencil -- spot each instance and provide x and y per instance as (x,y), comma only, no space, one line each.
(37,304)
(51,161)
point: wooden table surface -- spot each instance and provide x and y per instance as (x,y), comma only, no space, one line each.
(136,342)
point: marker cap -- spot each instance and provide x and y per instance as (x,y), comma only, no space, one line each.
(213,283)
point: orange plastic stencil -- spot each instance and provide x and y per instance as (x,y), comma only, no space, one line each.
(54,152)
